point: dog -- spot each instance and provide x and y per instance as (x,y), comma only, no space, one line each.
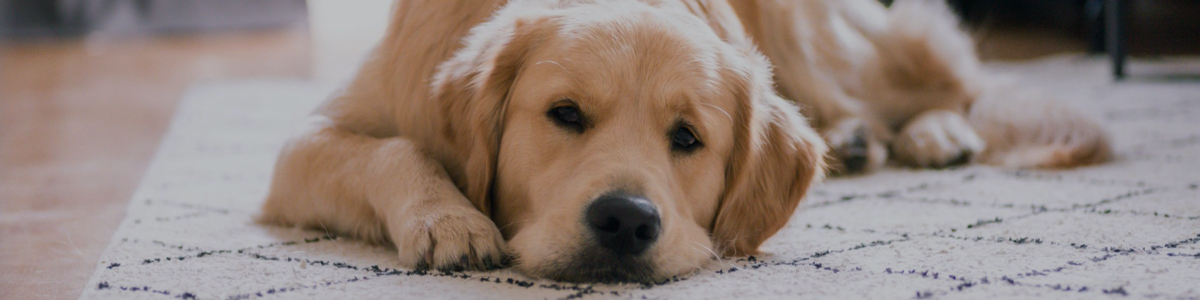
(634,140)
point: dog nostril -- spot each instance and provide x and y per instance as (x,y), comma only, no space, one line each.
(610,224)
(622,224)
(646,232)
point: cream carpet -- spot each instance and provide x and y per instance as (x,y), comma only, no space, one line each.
(1129,228)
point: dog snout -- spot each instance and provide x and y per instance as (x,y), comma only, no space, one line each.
(626,225)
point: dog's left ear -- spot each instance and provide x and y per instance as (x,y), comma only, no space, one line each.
(776,157)
(473,88)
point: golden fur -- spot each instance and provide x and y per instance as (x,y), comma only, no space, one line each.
(441,145)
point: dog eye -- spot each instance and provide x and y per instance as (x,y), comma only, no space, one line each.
(567,116)
(684,140)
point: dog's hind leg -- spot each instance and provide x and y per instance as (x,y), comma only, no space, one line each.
(921,80)
(926,80)
(1024,129)
(809,57)
(936,138)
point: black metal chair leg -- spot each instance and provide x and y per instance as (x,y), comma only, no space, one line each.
(1114,13)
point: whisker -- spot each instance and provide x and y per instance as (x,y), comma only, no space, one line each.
(709,250)
(552,62)
(722,110)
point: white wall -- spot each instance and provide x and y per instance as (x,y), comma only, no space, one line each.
(342,33)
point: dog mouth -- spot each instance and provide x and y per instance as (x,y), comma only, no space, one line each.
(600,266)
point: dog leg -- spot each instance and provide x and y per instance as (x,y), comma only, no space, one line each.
(808,58)
(381,189)
(936,138)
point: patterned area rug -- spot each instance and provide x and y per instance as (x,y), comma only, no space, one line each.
(1130,228)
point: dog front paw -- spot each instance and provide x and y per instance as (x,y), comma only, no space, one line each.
(853,148)
(452,238)
(936,139)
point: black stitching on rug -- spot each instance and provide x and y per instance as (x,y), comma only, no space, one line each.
(883,194)
(103,285)
(1109,254)
(203,253)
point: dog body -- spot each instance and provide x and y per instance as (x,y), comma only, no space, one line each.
(905,79)
(627,140)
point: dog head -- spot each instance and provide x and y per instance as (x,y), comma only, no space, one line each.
(624,141)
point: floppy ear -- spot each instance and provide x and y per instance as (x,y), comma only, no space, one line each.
(473,89)
(776,157)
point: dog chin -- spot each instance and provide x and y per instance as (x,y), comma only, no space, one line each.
(595,264)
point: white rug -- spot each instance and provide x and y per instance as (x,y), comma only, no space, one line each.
(1130,228)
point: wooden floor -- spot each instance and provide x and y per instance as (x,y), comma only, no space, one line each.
(79,121)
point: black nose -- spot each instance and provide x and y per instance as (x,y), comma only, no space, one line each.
(625,225)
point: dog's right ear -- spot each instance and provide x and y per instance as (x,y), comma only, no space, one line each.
(776,157)
(473,89)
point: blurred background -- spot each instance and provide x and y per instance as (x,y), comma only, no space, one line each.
(88,87)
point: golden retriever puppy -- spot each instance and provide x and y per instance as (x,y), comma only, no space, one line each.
(635,140)
(904,78)
(591,140)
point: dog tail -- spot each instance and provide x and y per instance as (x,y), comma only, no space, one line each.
(1023,129)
